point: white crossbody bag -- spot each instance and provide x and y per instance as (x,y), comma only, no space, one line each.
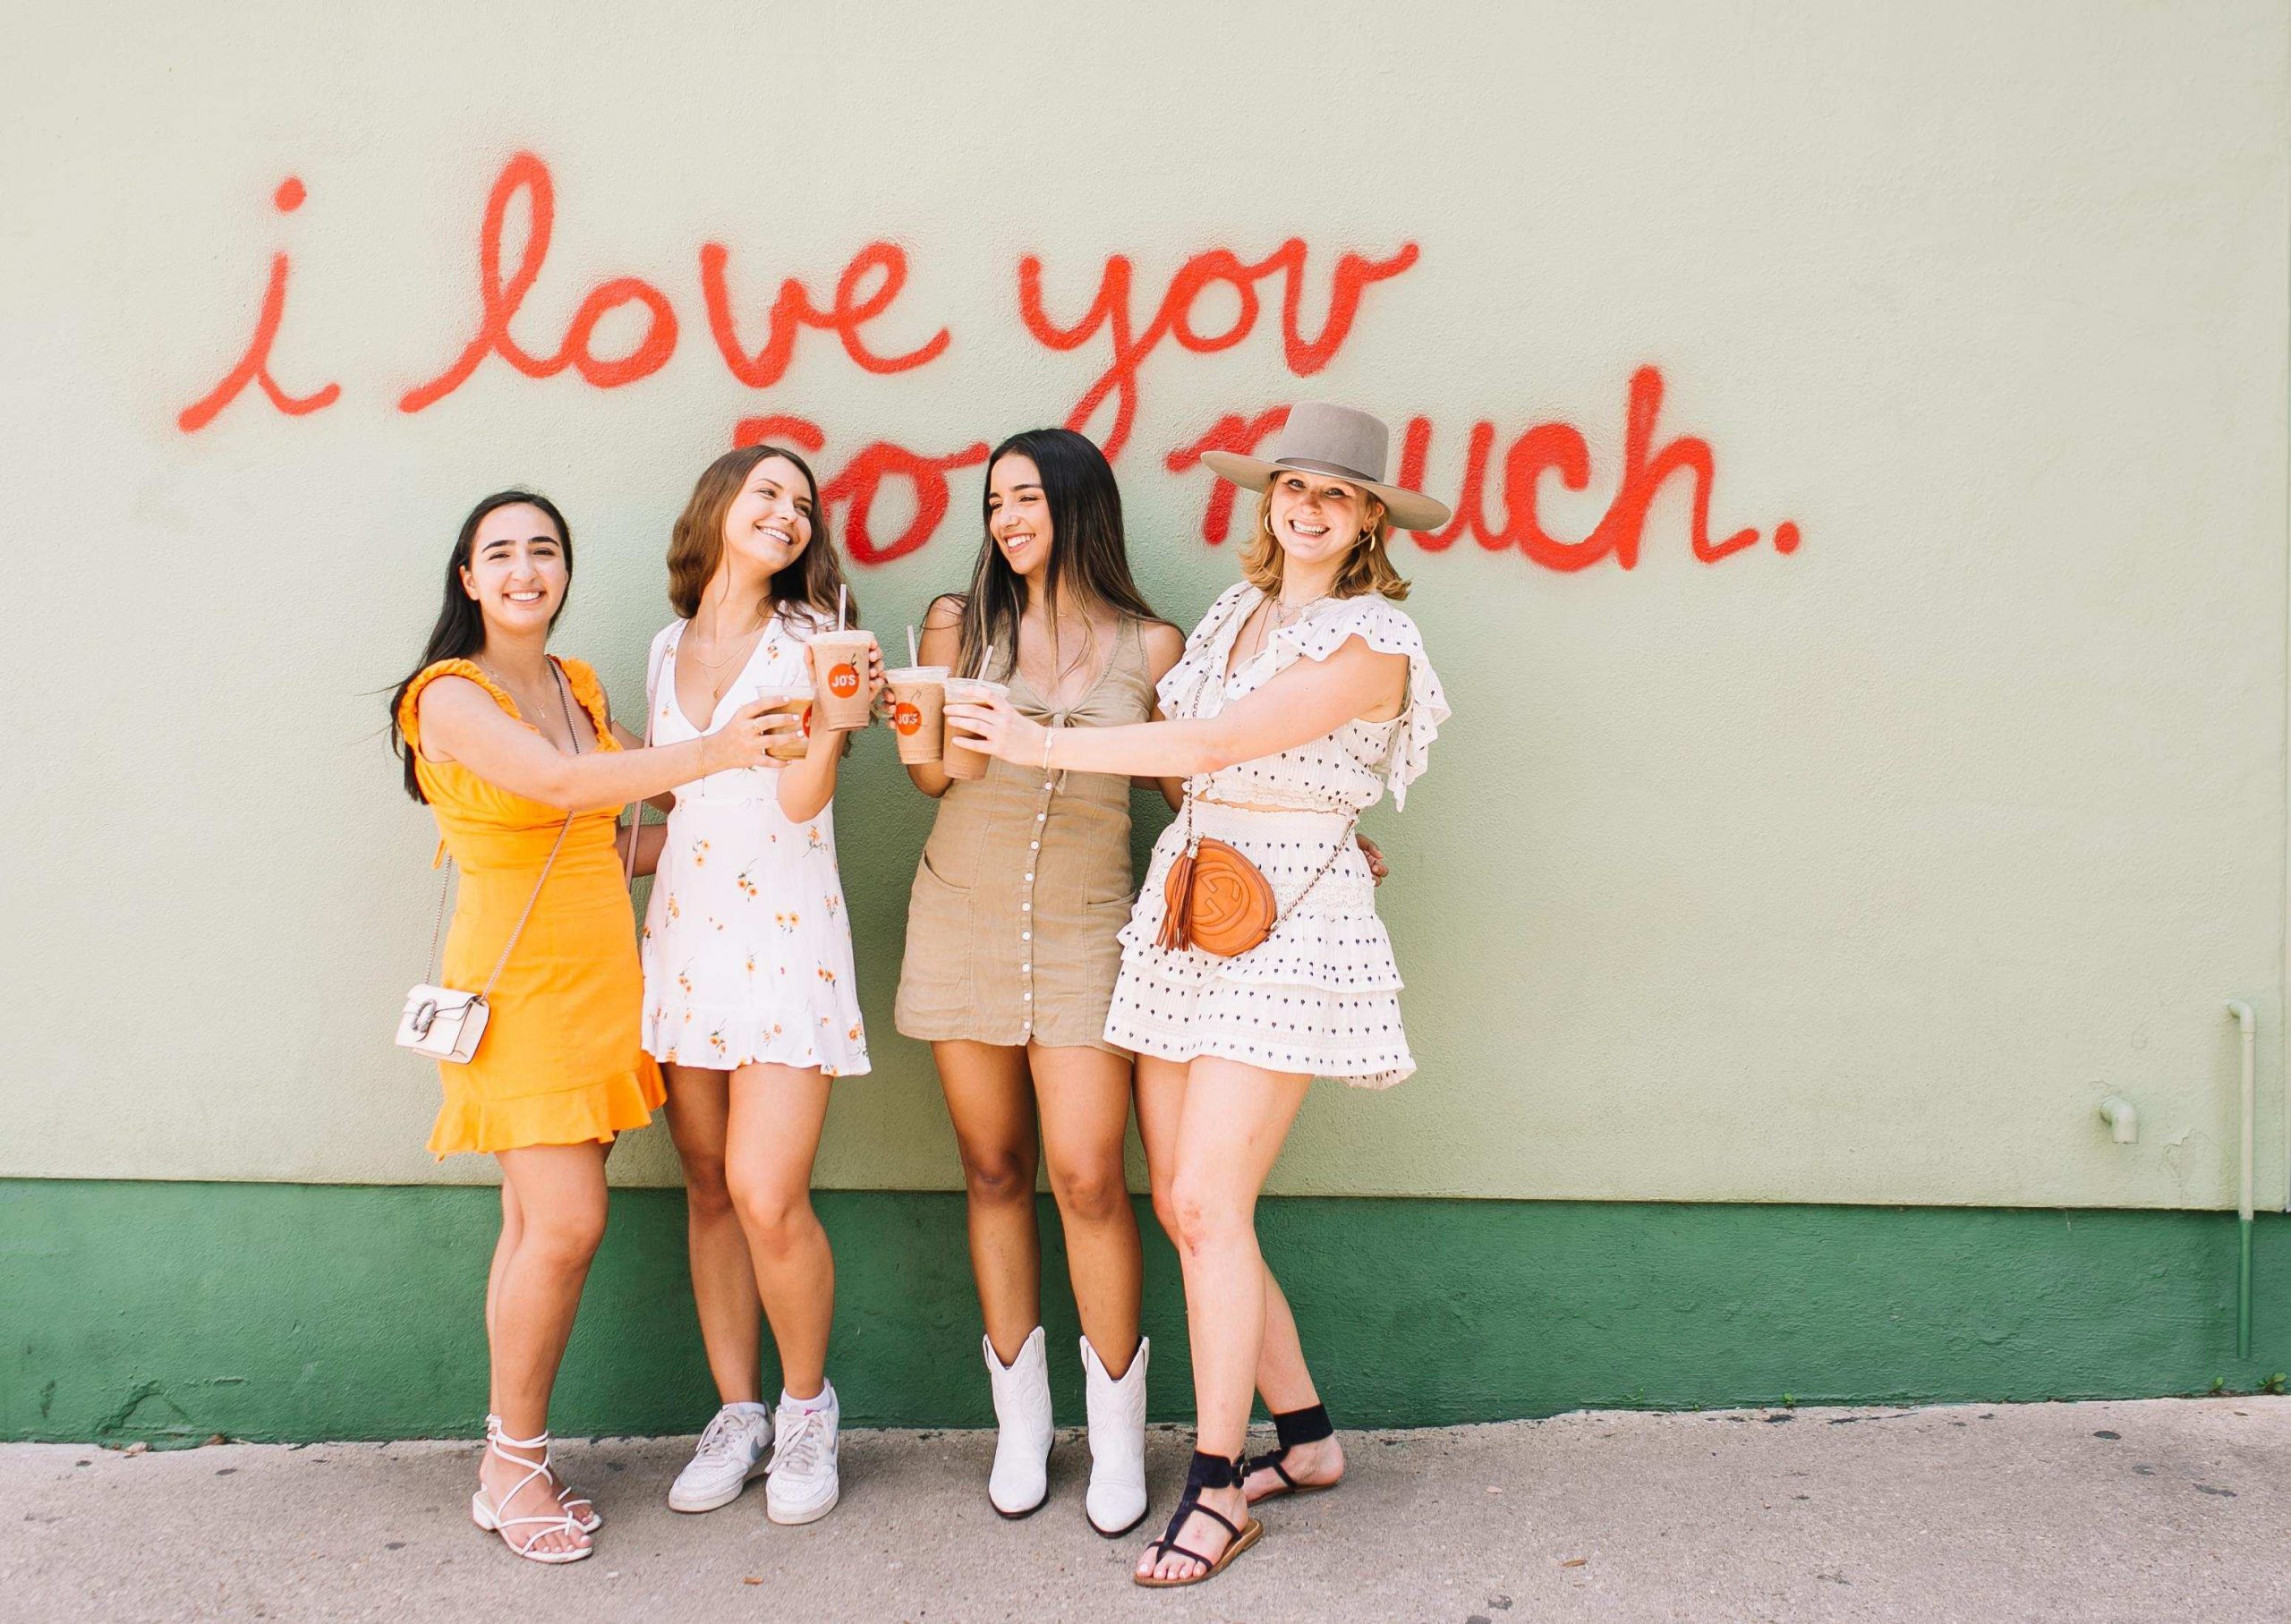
(444,1023)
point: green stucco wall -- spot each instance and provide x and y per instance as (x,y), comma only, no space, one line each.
(1853,865)
(177,1311)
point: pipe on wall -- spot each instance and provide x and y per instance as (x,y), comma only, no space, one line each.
(2248,1024)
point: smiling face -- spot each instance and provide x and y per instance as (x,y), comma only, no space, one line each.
(517,570)
(769,523)
(1316,519)
(1018,513)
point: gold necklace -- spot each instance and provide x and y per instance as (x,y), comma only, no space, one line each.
(563,716)
(1275,621)
(749,640)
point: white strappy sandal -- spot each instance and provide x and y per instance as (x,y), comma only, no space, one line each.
(567,1494)
(482,1512)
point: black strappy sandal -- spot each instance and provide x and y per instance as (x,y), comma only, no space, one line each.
(1294,1427)
(1208,1472)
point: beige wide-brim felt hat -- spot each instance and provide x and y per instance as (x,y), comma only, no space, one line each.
(1342,442)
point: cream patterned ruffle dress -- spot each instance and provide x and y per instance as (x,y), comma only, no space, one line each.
(1321,994)
(746,947)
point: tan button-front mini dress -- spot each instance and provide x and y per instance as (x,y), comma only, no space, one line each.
(1024,884)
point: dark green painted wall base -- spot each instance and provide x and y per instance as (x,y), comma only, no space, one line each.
(177,1311)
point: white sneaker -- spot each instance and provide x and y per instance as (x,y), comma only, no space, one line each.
(730,1453)
(1116,1502)
(1019,1481)
(802,1486)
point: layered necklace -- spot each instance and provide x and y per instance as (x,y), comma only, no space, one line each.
(1277,618)
(741,649)
(551,699)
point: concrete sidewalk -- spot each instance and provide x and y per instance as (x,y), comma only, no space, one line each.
(2131,1512)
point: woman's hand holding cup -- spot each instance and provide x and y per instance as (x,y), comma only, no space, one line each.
(992,724)
(742,741)
(876,681)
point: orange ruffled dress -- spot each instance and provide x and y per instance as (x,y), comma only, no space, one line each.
(561,1061)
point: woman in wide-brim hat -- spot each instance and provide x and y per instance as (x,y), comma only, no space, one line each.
(1302,694)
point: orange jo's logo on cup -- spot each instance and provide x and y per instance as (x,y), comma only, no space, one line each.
(843,680)
(907,717)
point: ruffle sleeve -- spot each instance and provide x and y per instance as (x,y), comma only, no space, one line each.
(655,663)
(1183,679)
(589,690)
(1386,628)
(409,719)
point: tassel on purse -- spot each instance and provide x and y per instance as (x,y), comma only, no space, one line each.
(1176,905)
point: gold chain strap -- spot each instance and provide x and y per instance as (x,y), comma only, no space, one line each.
(1191,846)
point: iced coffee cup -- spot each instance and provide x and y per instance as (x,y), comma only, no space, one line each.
(795,744)
(918,711)
(959,759)
(839,678)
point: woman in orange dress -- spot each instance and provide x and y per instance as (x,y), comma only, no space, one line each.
(516,754)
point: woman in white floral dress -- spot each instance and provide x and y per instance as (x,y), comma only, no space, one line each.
(749,1002)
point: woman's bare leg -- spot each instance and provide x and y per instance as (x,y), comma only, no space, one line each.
(1083,1095)
(1287,1384)
(1161,1107)
(723,1279)
(777,1113)
(1282,1374)
(1234,1122)
(560,1197)
(991,1099)
(513,1225)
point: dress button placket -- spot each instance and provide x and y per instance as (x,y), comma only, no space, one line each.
(1026,909)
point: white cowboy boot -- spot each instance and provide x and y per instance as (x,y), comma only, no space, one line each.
(1116,1502)
(1020,1480)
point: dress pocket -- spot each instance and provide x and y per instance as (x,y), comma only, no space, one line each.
(927,872)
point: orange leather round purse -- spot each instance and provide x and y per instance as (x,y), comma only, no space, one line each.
(1217,900)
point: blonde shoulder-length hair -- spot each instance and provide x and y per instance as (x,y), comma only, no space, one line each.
(1366,568)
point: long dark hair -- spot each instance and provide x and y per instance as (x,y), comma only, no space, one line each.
(459,631)
(1087,548)
(806,590)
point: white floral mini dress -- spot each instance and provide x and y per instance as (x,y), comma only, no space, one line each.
(746,948)
(1321,995)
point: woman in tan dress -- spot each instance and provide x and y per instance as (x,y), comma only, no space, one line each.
(1011,954)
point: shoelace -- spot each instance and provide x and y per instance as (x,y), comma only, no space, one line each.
(717,1442)
(802,1440)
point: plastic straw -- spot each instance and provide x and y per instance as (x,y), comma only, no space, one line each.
(984,661)
(841,594)
(913,658)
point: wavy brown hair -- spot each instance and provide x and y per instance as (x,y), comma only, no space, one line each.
(806,590)
(1366,568)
